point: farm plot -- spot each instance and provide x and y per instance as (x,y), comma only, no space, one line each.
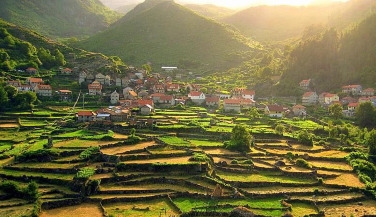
(127,148)
(82,210)
(367,207)
(78,143)
(267,177)
(172,160)
(149,208)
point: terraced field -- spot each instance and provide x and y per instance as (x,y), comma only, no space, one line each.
(154,179)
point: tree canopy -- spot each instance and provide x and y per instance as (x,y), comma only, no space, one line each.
(241,139)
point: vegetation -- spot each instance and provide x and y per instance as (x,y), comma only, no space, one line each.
(241,139)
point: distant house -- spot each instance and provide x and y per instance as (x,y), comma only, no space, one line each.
(107,80)
(35,81)
(172,87)
(158,88)
(309,98)
(248,94)
(32,70)
(14,83)
(146,109)
(275,111)
(328,98)
(299,110)
(368,92)
(24,88)
(223,95)
(212,101)
(305,84)
(115,97)
(247,103)
(232,105)
(43,90)
(347,100)
(66,71)
(82,77)
(169,68)
(354,89)
(65,95)
(95,88)
(197,97)
(84,116)
(352,106)
(100,78)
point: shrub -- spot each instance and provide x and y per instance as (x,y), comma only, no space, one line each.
(200,157)
(234,161)
(89,153)
(320,181)
(300,162)
(305,138)
(84,173)
(42,155)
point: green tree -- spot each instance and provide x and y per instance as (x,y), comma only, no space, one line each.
(279,129)
(336,111)
(241,139)
(305,138)
(3,98)
(59,58)
(370,141)
(364,115)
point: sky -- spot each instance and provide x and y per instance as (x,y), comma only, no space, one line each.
(235,4)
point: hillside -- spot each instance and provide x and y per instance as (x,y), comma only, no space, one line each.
(165,33)
(59,19)
(278,23)
(211,11)
(21,48)
(333,61)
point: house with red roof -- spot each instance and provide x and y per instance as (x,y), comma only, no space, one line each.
(328,98)
(305,84)
(66,71)
(14,83)
(197,97)
(368,92)
(275,111)
(212,101)
(65,95)
(310,98)
(84,116)
(34,81)
(95,88)
(232,105)
(32,70)
(354,89)
(43,90)
(171,87)
(299,110)
(158,88)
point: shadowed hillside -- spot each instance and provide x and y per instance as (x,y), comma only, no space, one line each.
(59,19)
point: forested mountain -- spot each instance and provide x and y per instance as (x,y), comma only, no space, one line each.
(59,19)
(165,33)
(21,48)
(332,60)
(278,23)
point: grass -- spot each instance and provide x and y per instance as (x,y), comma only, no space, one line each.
(175,141)
(17,173)
(263,177)
(197,142)
(78,143)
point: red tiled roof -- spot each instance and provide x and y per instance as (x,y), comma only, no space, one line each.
(166,97)
(232,101)
(35,80)
(248,92)
(308,94)
(353,104)
(44,87)
(85,113)
(195,93)
(298,106)
(142,102)
(276,108)
(212,99)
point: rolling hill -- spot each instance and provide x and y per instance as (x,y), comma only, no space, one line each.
(59,19)
(211,11)
(278,23)
(165,33)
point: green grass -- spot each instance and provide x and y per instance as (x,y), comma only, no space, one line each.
(175,141)
(263,177)
(197,142)
(302,124)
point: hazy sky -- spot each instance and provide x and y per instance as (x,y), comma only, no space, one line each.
(245,3)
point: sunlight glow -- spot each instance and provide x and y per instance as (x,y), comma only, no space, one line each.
(246,3)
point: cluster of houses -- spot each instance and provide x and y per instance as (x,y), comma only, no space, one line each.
(353,95)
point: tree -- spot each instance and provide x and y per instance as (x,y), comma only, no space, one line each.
(305,138)
(370,141)
(364,115)
(241,139)
(3,98)
(279,129)
(59,58)
(336,111)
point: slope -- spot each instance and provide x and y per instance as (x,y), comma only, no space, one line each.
(278,23)
(58,19)
(21,48)
(211,11)
(332,61)
(170,34)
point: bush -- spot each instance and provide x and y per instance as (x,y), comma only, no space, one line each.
(42,155)
(200,157)
(305,138)
(89,153)
(84,173)
(300,162)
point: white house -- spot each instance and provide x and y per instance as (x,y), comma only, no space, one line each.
(197,97)
(43,90)
(310,98)
(115,97)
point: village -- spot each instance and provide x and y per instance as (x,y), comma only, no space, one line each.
(140,93)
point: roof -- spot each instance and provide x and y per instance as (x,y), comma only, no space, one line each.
(142,102)
(308,94)
(67,70)
(85,113)
(212,99)
(166,97)
(351,86)
(305,82)
(232,101)
(298,106)
(353,104)
(248,92)
(369,90)
(275,108)
(132,93)
(35,80)
(31,69)
(65,91)
(172,86)
(157,95)
(195,93)
(44,87)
